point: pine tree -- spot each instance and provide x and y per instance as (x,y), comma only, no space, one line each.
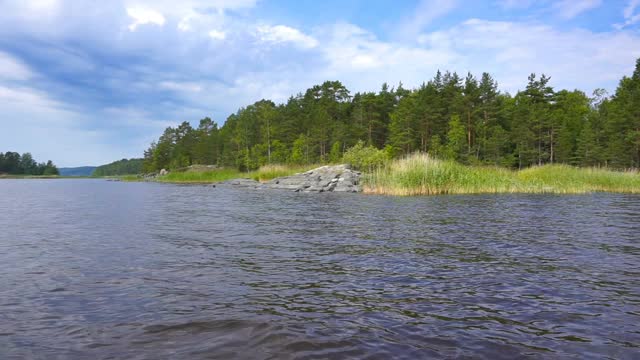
(587,149)
(456,140)
(402,127)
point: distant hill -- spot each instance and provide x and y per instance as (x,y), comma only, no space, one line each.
(120,167)
(77,171)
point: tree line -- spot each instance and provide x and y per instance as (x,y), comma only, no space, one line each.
(120,167)
(15,164)
(463,118)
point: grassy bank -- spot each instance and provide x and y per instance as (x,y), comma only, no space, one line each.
(265,173)
(420,174)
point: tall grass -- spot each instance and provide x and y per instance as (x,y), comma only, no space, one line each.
(270,172)
(571,180)
(212,176)
(420,174)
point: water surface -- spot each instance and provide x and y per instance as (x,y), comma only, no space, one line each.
(106,270)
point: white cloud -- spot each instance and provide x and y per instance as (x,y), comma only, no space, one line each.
(630,15)
(198,22)
(510,50)
(144,16)
(185,24)
(283,34)
(13,69)
(569,9)
(426,12)
(22,97)
(45,6)
(192,14)
(516,4)
(180,86)
(34,8)
(630,8)
(181,8)
(351,50)
(32,122)
(217,34)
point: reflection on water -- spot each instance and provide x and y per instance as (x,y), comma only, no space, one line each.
(94,269)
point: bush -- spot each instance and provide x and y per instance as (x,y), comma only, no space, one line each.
(366,158)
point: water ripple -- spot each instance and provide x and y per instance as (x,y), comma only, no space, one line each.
(105,270)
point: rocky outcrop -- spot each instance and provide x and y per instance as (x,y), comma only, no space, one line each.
(336,178)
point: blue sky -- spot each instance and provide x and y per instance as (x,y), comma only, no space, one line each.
(89,82)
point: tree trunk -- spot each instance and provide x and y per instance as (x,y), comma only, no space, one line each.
(638,147)
(468,132)
(519,159)
(551,137)
(539,147)
(370,131)
(269,142)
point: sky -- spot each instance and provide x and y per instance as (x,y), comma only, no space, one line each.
(90,82)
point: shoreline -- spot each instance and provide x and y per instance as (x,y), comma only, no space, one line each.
(420,175)
(416,175)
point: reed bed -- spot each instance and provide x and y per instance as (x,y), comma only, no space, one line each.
(420,174)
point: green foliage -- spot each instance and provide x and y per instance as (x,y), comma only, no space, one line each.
(456,140)
(467,119)
(336,152)
(366,158)
(300,151)
(120,167)
(13,163)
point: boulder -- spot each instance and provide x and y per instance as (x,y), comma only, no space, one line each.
(163,172)
(330,178)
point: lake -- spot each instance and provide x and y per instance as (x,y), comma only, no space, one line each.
(109,270)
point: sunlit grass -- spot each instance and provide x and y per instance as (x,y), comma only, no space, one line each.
(420,174)
(270,172)
(264,173)
(129,178)
(212,176)
(571,180)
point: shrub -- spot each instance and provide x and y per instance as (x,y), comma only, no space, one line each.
(366,158)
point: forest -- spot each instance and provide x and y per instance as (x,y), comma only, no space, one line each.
(13,163)
(466,119)
(120,167)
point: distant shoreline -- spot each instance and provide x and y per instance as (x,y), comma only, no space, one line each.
(40,177)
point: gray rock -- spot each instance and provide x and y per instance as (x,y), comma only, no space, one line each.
(163,172)
(247,183)
(335,178)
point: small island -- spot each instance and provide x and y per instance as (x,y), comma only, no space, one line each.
(452,135)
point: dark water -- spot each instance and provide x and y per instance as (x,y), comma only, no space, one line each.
(102,270)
